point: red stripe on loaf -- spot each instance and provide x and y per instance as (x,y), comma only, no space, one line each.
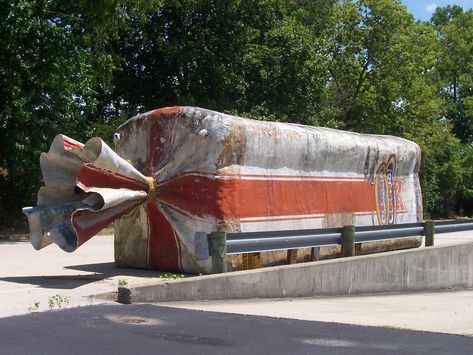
(237,198)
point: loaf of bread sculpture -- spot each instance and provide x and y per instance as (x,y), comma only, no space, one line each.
(180,173)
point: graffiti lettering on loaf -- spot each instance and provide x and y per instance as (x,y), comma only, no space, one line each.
(179,173)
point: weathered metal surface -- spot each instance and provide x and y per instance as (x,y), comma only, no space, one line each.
(218,172)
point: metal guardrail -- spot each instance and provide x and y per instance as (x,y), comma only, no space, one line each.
(252,242)
(281,240)
(453,226)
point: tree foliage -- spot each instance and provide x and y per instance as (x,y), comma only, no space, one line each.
(45,84)
(82,67)
(455,68)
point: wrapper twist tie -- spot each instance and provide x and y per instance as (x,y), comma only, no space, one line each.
(152,190)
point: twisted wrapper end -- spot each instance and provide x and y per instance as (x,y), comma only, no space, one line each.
(87,187)
(152,190)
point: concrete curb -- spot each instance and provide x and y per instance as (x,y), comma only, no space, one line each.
(433,268)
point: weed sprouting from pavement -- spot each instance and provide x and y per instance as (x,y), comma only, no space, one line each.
(392,327)
(34,307)
(171,276)
(58,301)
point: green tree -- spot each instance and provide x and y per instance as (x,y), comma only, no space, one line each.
(44,86)
(384,79)
(455,67)
(56,69)
(82,67)
(454,82)
(252,57)
(443,15)
(379,58)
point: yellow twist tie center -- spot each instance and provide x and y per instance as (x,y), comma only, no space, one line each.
(152,190)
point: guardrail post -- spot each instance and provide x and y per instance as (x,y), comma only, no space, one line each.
(429,232)
(218,252)
(291,256)
(348,241)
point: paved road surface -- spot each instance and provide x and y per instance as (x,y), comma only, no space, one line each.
(28,276)
(147,329)
(444,312)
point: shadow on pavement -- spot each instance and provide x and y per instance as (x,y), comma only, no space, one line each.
(99,272)
(109,269)
(65,282)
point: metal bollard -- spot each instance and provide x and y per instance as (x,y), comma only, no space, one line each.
(348,241)
(291,256)
(429,232)
(218,252)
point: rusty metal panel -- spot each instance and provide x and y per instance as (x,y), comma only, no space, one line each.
(211,171)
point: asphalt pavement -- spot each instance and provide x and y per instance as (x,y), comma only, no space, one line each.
(439,311)
(148,329)
(309,325)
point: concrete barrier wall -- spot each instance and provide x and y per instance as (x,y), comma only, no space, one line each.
(434,268)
